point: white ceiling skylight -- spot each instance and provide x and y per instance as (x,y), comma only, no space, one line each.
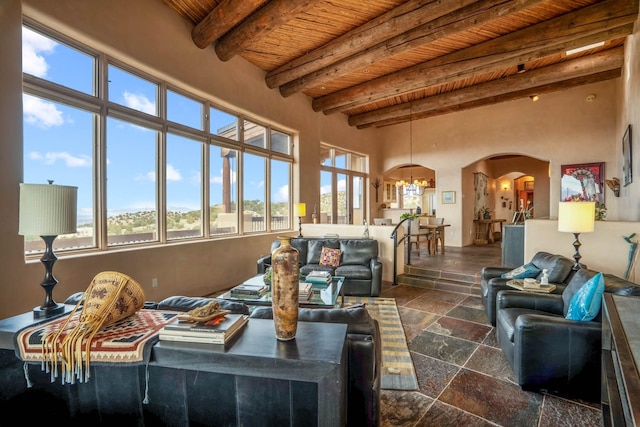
(583,48)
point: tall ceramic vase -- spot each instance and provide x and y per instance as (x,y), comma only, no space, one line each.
(284,289)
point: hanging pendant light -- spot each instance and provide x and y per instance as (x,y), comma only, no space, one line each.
(412,187)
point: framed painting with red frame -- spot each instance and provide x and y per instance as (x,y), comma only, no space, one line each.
(582,182)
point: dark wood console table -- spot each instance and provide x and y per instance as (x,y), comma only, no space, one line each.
(255,381)
(620,360)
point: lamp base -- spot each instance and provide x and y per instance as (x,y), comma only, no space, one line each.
(41,313)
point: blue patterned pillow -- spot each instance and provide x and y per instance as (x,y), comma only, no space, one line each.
(522,272)
(585,304)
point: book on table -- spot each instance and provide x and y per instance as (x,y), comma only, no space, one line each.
(249,290)
(318,276)
(305,291)
(215,332)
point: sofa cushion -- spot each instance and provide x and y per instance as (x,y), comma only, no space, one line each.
(181,303)
(299,244)
(522,272)
(558,266)
(358,252)
(356,317)
(314,248)
(330,257)
(585,304)
(356,272)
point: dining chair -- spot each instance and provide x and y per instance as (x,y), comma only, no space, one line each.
(418,237)
(436,234)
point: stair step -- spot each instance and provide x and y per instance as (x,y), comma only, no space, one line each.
(463,287)
(442,274)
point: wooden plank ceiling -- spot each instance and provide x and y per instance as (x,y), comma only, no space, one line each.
(382,62)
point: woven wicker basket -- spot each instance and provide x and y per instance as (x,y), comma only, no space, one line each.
(110,297)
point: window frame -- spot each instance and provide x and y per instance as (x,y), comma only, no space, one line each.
(99,105)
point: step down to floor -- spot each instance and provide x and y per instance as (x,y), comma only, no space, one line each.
(438,279)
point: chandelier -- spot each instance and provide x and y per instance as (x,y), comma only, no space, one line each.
(413,187)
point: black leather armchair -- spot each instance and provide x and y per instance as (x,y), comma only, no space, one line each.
(363,355)
(547,351)
(560,272)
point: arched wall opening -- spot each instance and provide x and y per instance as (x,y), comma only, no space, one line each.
(506,185)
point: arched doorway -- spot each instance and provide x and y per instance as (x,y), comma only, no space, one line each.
(510,183)
(395,196)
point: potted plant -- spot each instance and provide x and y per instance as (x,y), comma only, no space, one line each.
(267,276)
(409,216)
(486,213)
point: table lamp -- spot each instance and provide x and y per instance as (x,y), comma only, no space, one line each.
(576,218)
(47,211)
(300,210)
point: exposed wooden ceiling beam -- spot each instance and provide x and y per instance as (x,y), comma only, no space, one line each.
(403,18)
(538,90)
(257,25)
(552,77)
(611,19)
(224,17)
(465,18)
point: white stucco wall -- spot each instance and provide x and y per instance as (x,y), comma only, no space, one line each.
(603,250)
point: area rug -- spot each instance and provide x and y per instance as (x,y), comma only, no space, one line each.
(127,341)
(397,372)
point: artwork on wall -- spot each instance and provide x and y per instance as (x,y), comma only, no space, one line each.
(627,176)
(481,189)
(582,182)
(448,197)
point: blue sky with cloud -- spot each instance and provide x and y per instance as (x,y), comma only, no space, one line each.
(58,139)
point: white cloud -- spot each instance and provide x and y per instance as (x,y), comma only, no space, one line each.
(282,195)
(139,102)
(342,185)
(149,176)
(218,178)
(33,46)
(41,113)
(50,158)
(173,174)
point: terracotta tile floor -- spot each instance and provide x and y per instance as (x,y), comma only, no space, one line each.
(464,379)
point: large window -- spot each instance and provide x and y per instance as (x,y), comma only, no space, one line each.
(342,191)
(153,163)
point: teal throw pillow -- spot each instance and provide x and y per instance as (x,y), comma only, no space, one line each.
(585,304)
(522,272)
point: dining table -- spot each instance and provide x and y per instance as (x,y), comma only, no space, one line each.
(437,232)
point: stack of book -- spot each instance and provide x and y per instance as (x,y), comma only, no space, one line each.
(319,277)
(249,290)
(305,292)
(219,331)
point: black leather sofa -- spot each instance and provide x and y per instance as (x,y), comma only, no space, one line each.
(359,262)
(547,351)
(115,396)
(363,354)
(559,269)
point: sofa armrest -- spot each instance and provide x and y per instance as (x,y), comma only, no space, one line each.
(262,263)
(551,303)
(376,276)
(493,272)
(182,303)
(559,365)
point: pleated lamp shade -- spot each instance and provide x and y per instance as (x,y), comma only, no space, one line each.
(576,217)
(47,210)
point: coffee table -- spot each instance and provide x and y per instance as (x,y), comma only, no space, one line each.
(324,295)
